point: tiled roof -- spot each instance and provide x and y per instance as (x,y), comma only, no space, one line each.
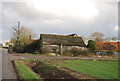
(115,44)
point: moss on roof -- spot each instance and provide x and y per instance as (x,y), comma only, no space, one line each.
(62,39)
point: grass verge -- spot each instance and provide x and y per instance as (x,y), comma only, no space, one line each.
(25,73)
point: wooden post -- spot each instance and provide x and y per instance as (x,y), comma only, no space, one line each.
(61,49)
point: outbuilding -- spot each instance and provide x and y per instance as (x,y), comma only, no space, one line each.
(61,40)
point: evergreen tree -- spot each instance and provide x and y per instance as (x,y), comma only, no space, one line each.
(92,46)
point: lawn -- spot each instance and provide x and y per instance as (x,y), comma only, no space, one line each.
(24,72)
(98,69)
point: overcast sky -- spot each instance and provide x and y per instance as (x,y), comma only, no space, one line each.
(61,17)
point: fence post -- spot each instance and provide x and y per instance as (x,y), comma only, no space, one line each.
(61,51)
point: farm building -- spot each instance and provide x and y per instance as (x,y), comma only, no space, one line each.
(106,47)
(51,43)
(61,42)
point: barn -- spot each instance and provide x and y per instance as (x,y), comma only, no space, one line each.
(60,41)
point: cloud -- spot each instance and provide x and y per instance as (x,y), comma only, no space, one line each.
(53,22)
(67,8)
(83,11)
(0,22)
(116,28)
(45,21)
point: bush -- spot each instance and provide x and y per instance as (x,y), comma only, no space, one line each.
(54,50)
(47,49)
(92,46)
(18,49)
(33,47)
(110,53)
(78,52)
(67,53)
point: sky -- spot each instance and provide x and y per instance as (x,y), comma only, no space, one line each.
(64,17)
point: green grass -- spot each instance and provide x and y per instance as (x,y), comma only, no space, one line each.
(24,72)
(98,69)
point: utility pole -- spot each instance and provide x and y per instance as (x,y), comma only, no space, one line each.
(18,39)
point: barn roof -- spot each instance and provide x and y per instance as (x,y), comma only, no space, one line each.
(62,39)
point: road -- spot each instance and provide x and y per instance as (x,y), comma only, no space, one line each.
(0,64)
(21,56)
(8,72)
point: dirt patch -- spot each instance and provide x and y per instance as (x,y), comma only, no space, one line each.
(77,74)
(49,72)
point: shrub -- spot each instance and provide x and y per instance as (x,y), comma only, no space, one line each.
(47,49)
(92,46)
(78,52)
(54,50)
(18,49)
(67,53)
(110,53)
(33,47)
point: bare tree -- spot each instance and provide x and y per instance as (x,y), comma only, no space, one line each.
(97,36)
(20,35)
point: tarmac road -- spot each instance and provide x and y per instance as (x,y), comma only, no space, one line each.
(8,72)
(22,56)
(0,64)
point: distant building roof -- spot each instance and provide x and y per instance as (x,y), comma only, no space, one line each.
(66,40)
(115,44)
